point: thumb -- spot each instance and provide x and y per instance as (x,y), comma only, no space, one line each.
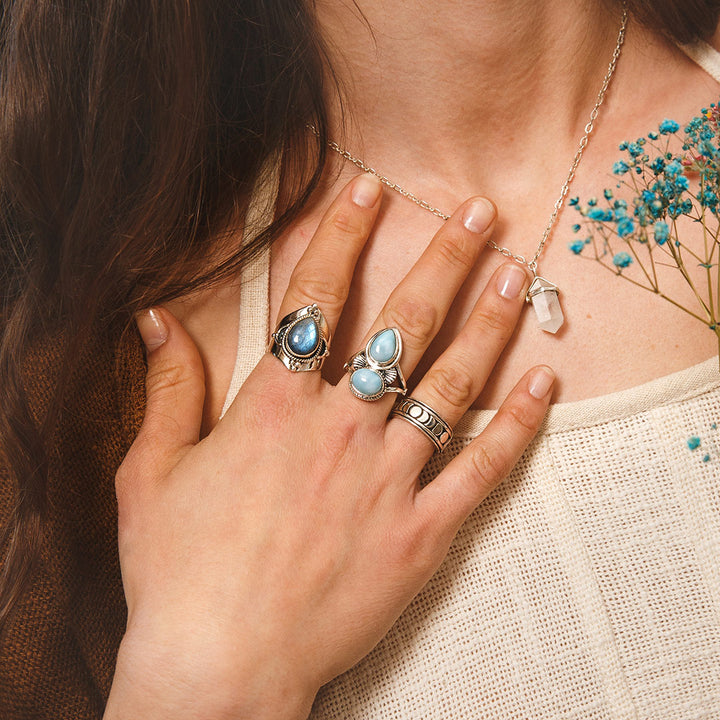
(175,386)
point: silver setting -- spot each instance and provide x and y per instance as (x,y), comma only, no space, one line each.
(389,371)
(294,361)
(424,418)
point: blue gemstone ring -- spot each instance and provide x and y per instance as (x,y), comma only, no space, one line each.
(301,339)
(376,370)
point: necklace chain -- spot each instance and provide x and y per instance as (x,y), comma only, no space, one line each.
(425,205)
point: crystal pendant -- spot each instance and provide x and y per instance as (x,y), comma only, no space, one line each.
(544,298)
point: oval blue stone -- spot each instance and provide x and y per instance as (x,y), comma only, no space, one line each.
(384,346)
(367,382)
(303,337)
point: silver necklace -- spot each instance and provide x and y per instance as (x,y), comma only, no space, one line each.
(542,293)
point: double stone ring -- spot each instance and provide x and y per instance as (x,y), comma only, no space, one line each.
(376,370)
(301,339)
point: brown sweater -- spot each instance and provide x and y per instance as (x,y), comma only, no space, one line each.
(58,653)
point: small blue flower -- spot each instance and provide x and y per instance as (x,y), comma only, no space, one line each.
(600,215)
(653,135)
(622,260)
(608,194)
(576,227)
(668,127)
(657,165)
(662,232)
(673,169)
(620,167)
(693,442)
(706,458)
(592,202)
(577,246)
(573,201)
(625,227)
(634,149)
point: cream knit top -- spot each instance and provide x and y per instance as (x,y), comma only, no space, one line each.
(586,586)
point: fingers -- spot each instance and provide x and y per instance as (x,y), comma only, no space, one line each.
(324,272)
(445,503)
(457,377)
(175,387)
(419,304)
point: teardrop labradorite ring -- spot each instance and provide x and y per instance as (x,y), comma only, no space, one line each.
(376,370)
(301,339)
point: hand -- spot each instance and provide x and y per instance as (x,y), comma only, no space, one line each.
(272,555)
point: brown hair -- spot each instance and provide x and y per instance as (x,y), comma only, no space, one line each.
(131,133)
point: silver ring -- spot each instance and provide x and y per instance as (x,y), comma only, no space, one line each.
(424,418)
(376,370)
(301,339)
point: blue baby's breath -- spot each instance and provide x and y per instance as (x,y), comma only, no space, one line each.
(661,231)
(671,178)
(620,167)
(625,227)
(667,127)
(622,260)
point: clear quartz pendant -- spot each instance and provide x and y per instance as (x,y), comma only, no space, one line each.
(544,298)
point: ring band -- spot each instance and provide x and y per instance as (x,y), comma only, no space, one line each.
(424,418)
(301,339)
(376,370)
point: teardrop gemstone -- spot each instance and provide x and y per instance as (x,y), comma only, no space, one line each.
(383,347)
(303,337)
(366,382)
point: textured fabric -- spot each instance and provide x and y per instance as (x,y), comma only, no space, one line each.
(57,654)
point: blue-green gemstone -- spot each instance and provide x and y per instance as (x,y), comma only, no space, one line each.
(367,382)
(384,346)
(304,337)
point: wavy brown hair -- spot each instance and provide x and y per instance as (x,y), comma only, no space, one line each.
(131,135)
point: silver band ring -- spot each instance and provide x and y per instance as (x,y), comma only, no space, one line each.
(301,339)
(376,370)
(424,418)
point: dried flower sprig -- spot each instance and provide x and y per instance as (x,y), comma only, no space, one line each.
(673,178)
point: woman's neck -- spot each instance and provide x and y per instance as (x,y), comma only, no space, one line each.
(442,85)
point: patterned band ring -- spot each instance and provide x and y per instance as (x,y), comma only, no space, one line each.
(301,339)
(424,418)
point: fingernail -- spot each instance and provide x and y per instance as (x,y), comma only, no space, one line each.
(511,281)
(153,330)
(366,191)
(478,216)
(541,382)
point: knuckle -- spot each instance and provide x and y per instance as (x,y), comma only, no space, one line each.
(453,384)
(347,222)
(270,407)
(488,466)
(314,286)
(524,417)
(334,443)
(174,376)
(493,320)
(457,252)
(416,319)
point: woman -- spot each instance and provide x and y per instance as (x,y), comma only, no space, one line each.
(265,560)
